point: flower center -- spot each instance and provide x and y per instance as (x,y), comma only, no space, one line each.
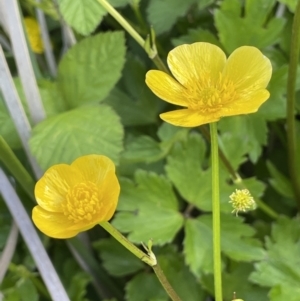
(82,202)
(210,95)
(242,200)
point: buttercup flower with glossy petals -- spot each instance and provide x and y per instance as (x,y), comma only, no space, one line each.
(210,86)
(74,198)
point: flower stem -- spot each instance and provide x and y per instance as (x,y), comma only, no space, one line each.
(238,180)
(149,258)
(165,283)
(118,17)
(291,87)
(127,244)
(151,50)
(216,212)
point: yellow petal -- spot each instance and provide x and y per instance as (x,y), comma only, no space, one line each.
(187,118)
(191,63)
(50,191)
(53,224)
(248,69)
(110,190)
(94,168)
(246,106)
(165,87)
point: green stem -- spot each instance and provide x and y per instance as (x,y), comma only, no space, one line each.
(291,87)
(238,180)
(127,244)
(149,258)
(165,283)
(216,212)
(15,167)
(151,50)
(110,9)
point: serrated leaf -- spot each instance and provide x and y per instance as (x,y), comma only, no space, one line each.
(119,3)
(27,290)
(142,149)
(163,14)
(78,286)
(241,135)
(52,99)
(151,213)
(185,169)
(87,130)
(117,260)
(178,274)
(132,99)
(196,35)
(235,242)
(132,112)
(91,68)
(280,182)
(281,292)
(281,267)
(83,15)
(275,107)
(251,29)
(145,287)
(236,280)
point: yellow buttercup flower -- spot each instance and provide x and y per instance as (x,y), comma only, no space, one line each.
(210,86)
(74,198)
(34,35)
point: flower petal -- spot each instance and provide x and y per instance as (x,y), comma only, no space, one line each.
(165,87)
(246,106)
(50,191)
(248,69)
(53,224)
(110,190)
(94,168)
(191,63)
(187,118)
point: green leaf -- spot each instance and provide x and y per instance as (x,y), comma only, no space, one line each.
(251,29)
(280,182)
(235,242)
(281,267)
(145,287)
(275,107)
(291,4)
(117,260)
(132,112)
(142,149)
(7,127)
(241,135)
(132,99)
(91,68)
(163,14)
(119,3)
(196,35)
(87,130)
(83,15)
(78,286)
(185,168)
(148,209)
(236,280)
(52,99)
(27,291)
(281,292)
(179,275)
